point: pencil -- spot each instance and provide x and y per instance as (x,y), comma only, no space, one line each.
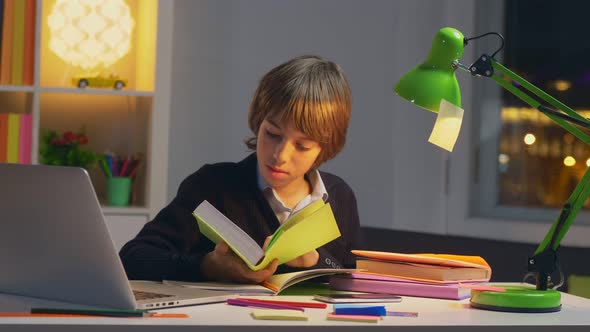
(292,303)
(247,303)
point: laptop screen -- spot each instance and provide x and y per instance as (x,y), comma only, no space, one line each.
(54,243)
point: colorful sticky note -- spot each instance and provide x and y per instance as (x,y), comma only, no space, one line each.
(354,318)
(402,313)
(274,314)
(350,309)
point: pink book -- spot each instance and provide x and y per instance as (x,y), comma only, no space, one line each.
(25,140)
(376,284)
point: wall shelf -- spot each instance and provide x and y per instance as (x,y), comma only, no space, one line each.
(96,91)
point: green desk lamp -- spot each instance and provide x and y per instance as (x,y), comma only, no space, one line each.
(428,84)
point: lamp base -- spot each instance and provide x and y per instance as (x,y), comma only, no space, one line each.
(517,299)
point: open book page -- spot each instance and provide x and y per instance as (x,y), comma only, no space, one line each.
(248,289)
(311,228)
(217,227)
(294,219)
(302,214)
(308,234)
(280,282)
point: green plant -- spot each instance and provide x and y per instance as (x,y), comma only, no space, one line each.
(66,149)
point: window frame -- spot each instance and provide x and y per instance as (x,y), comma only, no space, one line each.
(471,209)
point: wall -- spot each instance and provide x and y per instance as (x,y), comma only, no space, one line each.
(221,48)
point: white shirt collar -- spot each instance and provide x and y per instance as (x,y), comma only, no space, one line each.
(283,212)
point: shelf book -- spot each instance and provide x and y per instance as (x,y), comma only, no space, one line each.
(17,25)
(432,267)
(16,138)
(306,230)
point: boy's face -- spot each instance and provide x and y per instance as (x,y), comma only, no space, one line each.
(284,153)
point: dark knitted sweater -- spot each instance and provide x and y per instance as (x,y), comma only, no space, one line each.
(171,246)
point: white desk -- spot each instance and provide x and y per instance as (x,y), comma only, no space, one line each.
(434,315)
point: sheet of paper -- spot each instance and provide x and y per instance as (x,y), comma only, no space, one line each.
(223,286)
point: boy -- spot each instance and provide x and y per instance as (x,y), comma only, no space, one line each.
(299,115)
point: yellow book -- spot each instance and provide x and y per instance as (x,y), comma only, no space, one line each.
(18,42)
(305,231)
(12,138)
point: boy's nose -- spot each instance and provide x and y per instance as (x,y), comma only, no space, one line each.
(282,152)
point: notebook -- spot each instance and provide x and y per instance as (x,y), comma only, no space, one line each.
(54,244)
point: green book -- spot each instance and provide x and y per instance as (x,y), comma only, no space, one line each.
(308,229)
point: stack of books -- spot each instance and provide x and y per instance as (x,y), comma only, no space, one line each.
(425,275)
(16,135)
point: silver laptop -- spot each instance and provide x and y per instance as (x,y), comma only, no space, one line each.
(54,244)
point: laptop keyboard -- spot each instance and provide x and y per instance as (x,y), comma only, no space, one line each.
(140,295)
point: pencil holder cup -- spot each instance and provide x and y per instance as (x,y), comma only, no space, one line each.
(118,190)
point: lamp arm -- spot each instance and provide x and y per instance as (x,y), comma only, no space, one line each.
(564,119)
(544,260)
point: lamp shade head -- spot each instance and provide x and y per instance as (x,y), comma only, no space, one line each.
(428,83)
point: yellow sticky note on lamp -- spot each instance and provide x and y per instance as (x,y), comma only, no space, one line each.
(446,128)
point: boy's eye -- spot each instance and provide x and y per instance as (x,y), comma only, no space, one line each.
(272,135)
(302,147)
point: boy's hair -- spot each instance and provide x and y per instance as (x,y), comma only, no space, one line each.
(313,95)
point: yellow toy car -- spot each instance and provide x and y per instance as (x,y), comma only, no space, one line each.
(111,81)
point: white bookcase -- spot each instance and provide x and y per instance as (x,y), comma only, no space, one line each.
(133,120)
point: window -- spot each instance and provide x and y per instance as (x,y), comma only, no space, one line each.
(524,162)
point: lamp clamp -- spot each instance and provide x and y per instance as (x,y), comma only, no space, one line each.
(545,261)
(482,66)
(544,264)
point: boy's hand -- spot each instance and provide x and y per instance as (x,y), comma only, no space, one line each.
(306,260)
(222,264)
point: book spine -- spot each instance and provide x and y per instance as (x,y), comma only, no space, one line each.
(29,42)
(1,29)
(24,149)
(399,269)
(13,137)
(18,42)
(398,288)
(7,28)
(3,136)
(29,137)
